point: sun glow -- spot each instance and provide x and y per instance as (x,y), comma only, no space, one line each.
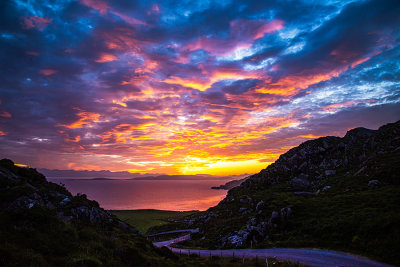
(221,167)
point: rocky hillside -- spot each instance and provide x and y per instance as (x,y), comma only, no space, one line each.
(331,192)
(42,224)
(307,166)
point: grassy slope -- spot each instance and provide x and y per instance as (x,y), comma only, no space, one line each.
(144,219)
(38,238)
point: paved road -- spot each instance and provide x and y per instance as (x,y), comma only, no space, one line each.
(176,231)
(311,257)
(172,241)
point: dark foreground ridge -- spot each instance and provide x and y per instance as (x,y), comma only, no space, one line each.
(42,224)
(331,193)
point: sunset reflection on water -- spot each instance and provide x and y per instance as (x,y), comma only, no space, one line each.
(179,195)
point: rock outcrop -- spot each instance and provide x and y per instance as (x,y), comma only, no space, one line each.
(24,188)
(307,166)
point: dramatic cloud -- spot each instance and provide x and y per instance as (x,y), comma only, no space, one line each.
(190,87)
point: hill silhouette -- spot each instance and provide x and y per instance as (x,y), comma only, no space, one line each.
(331,192)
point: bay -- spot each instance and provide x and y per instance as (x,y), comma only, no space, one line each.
(120,194)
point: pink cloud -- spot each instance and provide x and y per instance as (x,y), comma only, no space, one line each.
(253,29)
(155,8)
(5,114)
(243,33)
(128,19)
(32,53)
(35,22)
(102,7)
(334,107)
(98,5)
(48,72)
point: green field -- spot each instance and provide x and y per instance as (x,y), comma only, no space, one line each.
(144,219)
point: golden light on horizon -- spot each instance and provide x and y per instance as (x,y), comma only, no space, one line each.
(223,168)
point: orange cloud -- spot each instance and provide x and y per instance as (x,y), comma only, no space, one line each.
(82,167)
(2,133)
(357,62)
(292,84)
(86,119)
(119,134)
(75,139)
(106,58)
(68,137)
(216,76)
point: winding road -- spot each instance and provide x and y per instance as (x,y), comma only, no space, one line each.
(311,257)
(175,231)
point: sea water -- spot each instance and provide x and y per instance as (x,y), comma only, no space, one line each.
(122,194)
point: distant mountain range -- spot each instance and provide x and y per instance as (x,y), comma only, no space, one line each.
(108,175)
(88,174)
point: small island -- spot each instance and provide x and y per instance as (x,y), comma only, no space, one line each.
(229,185)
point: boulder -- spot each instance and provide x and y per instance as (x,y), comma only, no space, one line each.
(374,183)
(285,213)
(260,205)
(274,215)
(237,239)
(300,183)
(93,214)
(325,188)
(65,201)
(330,172)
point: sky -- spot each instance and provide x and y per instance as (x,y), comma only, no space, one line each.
(190,87)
